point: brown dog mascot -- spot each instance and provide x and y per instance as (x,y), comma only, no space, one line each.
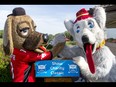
(21,42)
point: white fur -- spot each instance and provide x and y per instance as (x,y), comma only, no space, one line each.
(100,16)
(104,60)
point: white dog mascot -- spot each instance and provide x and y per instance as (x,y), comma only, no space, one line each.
(96,61)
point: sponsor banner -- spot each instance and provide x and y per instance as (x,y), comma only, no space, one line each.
(56,68)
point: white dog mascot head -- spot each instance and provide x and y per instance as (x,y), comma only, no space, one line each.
(96,61)
(88,31)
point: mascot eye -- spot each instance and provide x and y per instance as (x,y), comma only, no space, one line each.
(24,31)
(78,29)
(91,24)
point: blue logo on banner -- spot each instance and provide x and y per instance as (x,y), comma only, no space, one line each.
(56,68)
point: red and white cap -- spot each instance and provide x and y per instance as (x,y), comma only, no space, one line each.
(82,14)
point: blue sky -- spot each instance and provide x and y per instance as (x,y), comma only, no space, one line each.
(48,18)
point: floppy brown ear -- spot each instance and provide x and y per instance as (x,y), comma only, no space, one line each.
(7,36)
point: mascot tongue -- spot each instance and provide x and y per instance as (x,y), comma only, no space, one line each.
(89,58)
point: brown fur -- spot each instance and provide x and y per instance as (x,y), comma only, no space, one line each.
(7,38)
(33,37)
(13,37)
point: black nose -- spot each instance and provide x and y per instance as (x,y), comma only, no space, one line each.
(45,38)
(85,39)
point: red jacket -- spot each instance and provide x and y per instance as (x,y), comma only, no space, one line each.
(20,61)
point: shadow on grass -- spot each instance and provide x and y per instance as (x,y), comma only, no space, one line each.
(5,74)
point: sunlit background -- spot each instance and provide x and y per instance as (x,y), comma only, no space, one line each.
(49,18)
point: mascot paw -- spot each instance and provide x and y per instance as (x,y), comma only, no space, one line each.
(58,44)
(60,38)
(80,61)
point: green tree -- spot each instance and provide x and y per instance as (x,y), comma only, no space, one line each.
(1,33)
(51,37)
(67,34)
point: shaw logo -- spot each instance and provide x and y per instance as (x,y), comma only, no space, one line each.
(72,68)
(41,68)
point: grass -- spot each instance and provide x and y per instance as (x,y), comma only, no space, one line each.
(4,65)
(1,41)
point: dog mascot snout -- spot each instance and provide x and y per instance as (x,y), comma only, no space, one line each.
(45,38)
(35,40)
(24,45)
(85,39)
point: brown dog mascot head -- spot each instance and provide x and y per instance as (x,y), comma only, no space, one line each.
(25,45)
(20,41)
(19,32)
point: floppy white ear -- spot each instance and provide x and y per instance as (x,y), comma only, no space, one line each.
(100,16)
(69,26)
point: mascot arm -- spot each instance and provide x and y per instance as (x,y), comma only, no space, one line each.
(30,56)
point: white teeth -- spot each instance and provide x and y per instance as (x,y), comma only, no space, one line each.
(94,48)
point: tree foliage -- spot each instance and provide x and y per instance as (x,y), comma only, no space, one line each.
(51,37)
(1,33)
(67,34)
